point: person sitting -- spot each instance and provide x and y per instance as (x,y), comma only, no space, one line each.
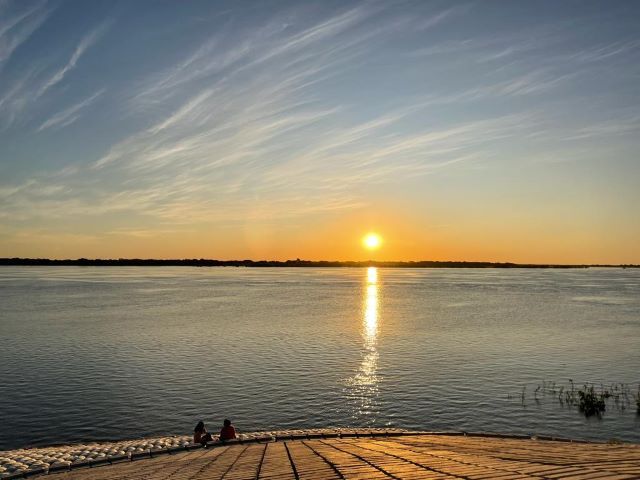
(228,432)
(200,434)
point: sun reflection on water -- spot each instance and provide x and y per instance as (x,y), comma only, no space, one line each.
(364,384)
(372,275)
(371,314)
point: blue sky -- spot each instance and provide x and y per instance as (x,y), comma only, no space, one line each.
(462,130)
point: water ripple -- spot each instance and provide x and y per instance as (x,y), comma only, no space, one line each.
(101,354)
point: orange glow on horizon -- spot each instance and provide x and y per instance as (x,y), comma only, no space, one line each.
(404,236)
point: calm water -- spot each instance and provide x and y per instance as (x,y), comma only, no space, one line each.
(109,353)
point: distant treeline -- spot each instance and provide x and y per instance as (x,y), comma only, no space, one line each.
(202,262)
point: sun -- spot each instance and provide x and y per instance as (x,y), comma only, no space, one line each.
(372,241)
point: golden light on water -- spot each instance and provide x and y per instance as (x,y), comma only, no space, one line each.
(372,241)
(371,306)
(364,383)
(372,275)
(371,313)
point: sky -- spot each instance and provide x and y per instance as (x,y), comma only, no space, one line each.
(472,130)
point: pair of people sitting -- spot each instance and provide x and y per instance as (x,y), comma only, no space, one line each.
(200,434)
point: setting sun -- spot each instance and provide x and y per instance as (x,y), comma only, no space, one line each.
(372,241)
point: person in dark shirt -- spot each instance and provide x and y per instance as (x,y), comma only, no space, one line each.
(200,434)
(228,432)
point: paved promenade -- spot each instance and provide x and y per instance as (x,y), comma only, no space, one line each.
(421,456)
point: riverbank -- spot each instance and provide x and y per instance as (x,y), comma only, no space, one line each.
(344,453)
(68,456)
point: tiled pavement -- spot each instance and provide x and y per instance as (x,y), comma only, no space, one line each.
(371,458)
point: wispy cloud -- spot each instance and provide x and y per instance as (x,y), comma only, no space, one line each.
(230,134)
(265,44)
(69,115)
(17,27)
(254,124)
(301,114)
(21,95)
(86,42)
(606,129)
(602,52)
(442,16)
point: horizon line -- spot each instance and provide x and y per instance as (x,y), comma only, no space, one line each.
(207,262)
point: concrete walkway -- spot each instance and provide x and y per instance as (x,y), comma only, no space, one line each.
(420,456)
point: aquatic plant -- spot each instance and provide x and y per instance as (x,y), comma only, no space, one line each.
(590,399)
(592,403)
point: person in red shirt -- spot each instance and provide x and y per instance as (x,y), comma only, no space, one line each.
(228,432)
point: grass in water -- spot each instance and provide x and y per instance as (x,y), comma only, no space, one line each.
(592,403)
(591,399)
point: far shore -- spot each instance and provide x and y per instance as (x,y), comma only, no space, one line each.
(203,262)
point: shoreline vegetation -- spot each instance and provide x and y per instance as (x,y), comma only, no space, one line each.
(203,262)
